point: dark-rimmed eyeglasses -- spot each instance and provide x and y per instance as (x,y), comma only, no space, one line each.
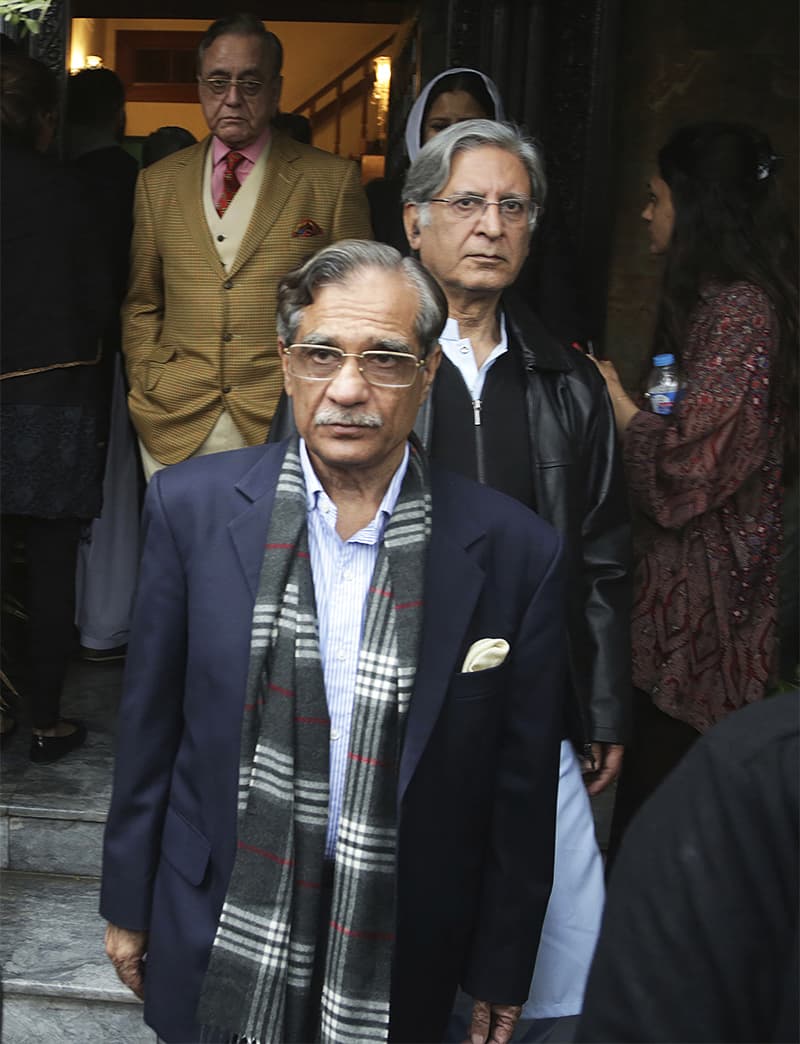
(321,362)
(222,84)
(514,210)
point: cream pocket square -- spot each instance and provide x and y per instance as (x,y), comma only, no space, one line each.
(485,653)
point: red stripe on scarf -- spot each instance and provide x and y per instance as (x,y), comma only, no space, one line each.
(367,761)
(267,855)
(409,605)
(380,591)
(312,721)
(385,936)
(283,692)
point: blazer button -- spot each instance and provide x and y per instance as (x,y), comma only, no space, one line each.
(227,337)
(228,284)
(227,389)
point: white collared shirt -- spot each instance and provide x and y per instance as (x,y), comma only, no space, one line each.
(460,352)
(341,571)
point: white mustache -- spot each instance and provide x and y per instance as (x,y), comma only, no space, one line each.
(352,418)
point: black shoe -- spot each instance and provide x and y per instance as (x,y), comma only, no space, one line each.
(9,727)
(119,652)
(47,749)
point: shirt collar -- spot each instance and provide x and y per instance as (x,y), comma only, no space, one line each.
(250,152)
(451,333)
(316,495)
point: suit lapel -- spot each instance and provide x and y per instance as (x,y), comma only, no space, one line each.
(248,530)
(453,583)
(280,176)
(189,193)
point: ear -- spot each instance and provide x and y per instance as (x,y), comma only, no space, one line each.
(429,372)
(287,377)
(411,222)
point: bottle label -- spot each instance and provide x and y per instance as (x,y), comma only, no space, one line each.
(662,401)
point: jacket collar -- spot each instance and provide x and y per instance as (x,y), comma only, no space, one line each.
(453,583)
(280,175)
(538,347)
(454,580)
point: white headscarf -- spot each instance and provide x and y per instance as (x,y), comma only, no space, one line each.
(414,122)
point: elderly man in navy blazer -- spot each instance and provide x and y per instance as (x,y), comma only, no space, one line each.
(334,797)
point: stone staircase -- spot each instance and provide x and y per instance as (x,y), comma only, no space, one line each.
(58,984)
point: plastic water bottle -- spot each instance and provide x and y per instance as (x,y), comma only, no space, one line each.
(663,384)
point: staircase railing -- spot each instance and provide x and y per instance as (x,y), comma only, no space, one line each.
(342,97)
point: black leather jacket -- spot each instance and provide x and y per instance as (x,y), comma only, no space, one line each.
(579,488)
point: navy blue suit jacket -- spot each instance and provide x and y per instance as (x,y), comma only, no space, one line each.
(479,769)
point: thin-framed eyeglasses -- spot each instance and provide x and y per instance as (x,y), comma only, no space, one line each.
(514,210)
(222,84)
(322,362)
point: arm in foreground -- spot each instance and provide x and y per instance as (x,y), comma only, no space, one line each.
(700,933)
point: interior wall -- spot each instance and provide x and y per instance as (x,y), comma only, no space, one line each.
(314,53)
(681,62)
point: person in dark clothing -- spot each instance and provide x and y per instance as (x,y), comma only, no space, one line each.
(95,117)
(56,295)
(163,142)
(700,933)
(547,279)
(108,560)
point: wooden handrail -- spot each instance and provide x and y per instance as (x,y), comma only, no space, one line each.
(343,96)
(310,103)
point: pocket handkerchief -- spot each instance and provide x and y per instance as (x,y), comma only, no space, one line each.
(485,653)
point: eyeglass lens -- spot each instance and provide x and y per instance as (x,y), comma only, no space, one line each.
(320,363)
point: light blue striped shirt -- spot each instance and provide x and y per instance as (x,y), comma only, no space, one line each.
(342,570)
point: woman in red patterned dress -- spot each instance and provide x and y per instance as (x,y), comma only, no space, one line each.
(707,480)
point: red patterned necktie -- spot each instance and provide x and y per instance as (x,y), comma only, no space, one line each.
(230,183)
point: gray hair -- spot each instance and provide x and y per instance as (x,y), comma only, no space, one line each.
(335,264)
(243,24)
(430,172)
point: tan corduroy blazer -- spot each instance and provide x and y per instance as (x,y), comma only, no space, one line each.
(198,340)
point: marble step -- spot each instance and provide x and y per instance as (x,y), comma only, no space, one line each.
(57,981)
(52,816)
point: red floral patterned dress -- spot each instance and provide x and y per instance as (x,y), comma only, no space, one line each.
(707,481)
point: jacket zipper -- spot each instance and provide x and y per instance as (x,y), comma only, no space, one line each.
(479,453)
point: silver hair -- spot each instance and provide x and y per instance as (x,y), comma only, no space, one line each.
(430,172)
(335,264)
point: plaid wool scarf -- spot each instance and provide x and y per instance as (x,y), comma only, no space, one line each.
(259,977)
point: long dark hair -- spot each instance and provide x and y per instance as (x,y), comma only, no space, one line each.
(730,226)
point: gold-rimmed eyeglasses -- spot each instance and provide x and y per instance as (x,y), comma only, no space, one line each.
(222,84)
(514,210)
(385,369)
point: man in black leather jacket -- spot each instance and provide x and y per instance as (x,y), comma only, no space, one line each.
(512,408)
(517,410)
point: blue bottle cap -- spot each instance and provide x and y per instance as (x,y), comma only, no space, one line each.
(664,360)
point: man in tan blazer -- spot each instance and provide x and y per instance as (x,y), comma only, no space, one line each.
(216,227)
